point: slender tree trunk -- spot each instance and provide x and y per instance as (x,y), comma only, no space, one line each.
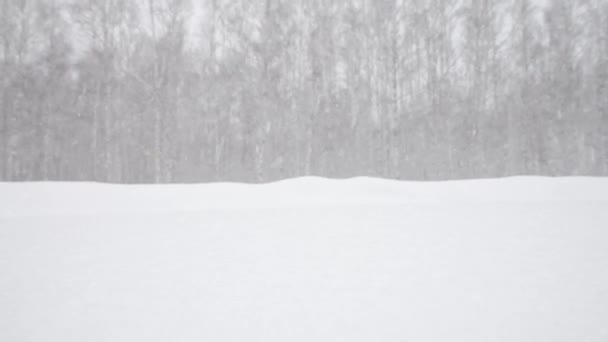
(154,102)
(5,132)
(4,98)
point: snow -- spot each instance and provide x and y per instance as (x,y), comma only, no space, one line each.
(310,259)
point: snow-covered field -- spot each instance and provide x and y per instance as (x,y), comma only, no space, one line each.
(310,259)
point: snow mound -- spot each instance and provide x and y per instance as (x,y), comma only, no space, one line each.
(310,259)
(23,199)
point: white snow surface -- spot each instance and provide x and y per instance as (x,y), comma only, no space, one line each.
(309,259)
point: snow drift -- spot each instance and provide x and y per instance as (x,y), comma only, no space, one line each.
(518,259)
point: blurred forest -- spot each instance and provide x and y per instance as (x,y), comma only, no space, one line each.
(256,90)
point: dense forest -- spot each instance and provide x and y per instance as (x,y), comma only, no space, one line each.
(259,90)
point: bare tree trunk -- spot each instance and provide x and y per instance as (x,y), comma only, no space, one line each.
(95,133)
(4,110)
(5,132)
(154,102)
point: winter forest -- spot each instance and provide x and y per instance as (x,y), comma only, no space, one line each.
(259,90)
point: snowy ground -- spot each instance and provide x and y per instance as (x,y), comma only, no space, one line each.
(520,259)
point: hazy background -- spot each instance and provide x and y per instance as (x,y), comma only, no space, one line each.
(258,90)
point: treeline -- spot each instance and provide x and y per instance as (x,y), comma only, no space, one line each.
(257,90)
